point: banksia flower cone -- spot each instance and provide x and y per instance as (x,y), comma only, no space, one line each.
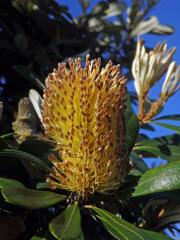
(26,120)
(83,111)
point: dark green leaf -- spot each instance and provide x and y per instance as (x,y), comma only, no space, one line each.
(148,127)
(67,226)
(17,194)
(175,117)
(25,156)
(166,147)
(169,126)
(37,147)
(138,162)
(132,126)
(161,179)
(122,230)
(3,144)
(126,188)
(171,153)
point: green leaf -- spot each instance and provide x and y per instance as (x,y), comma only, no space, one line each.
(81,237)
(169,126)
(169,153)
(165,147)
(175,117)
(67,226)
(148,127)
(122,230)
(16,193)
(36,147)
(3,143)
(138,162)
(25,156)
(37,238)
(132,126)
(161,179)
(6,182)
(42,185)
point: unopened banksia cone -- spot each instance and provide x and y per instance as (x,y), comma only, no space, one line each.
(25,124)
(83,111)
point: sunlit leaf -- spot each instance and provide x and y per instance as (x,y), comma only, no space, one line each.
(67,225)
(161,179)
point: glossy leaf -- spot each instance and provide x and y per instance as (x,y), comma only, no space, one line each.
(6,182)
(67,226)
(132,126)
(161,179)
(29,198)
(122,230)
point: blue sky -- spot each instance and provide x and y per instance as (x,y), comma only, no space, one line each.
(168,12)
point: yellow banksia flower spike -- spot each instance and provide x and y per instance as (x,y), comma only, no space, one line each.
(83,112)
